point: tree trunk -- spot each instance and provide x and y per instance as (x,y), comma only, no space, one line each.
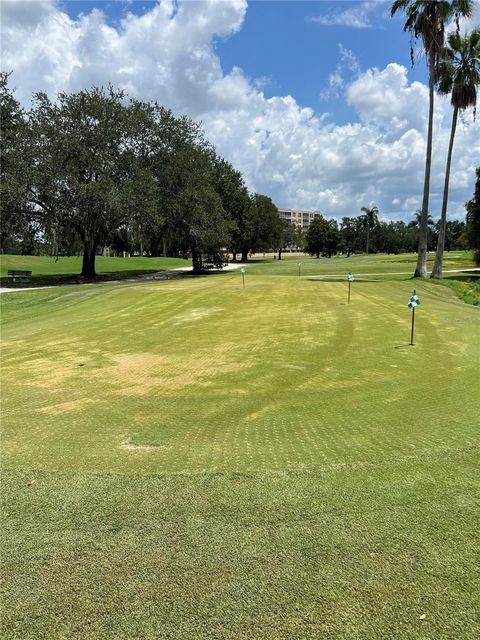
(280,254)
(88,264)
(368,236)
(234,256)
(437,268)
(244,257)
(421,269)
(196,261)
(164,247)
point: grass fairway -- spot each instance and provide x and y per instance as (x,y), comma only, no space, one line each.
(47,270)
(213,462)
(403,264)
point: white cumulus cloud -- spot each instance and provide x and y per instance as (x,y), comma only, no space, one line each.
(299,157)
(357,17)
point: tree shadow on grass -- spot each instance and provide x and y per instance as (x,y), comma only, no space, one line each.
(68,278)
(468,277)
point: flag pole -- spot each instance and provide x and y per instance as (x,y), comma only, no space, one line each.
(412,303)
(413,326)
(350,280)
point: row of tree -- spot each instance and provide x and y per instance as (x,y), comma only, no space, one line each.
(473,220)
(368,234)
(96,168)
(454,69)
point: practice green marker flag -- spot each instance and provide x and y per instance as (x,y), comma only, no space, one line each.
(414,300)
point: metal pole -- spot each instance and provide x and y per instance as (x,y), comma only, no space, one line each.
(413,325)
(243,279)
(299,268)
(349,285)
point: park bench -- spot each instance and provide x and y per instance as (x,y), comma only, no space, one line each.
(14,274)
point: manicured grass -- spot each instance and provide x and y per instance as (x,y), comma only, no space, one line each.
(466,287)
(347,553)
(213,462)
(363,263)
(47,270)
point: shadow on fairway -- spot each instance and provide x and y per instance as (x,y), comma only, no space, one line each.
(468,277)
(68,278)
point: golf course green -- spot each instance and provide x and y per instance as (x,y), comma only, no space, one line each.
(194,459)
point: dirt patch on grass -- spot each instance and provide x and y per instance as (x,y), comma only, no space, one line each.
(140,447)
(44,374)
(135,368)
(66,407)
(139,374)
(150,382)
(196,314)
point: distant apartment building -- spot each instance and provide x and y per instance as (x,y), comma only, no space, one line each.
(300,219)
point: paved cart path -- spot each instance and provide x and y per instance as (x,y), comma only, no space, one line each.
(159,275)
(387,273)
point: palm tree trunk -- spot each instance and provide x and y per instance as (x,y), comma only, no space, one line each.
(437,269)
(368,234)
(421,269)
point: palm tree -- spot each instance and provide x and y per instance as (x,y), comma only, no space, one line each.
(370,219)
(426,20)
(415,224)
(459,75)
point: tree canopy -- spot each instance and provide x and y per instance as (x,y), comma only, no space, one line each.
(94,169)
(473,220)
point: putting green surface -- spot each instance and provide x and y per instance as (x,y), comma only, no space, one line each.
(202,375)
(190,459)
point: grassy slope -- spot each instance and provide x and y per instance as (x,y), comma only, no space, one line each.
(325,473)
(47,270)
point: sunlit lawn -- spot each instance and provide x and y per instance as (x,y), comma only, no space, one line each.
(48,270)
(214,462)
(363,264)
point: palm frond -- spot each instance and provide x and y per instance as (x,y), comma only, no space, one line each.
(458,72)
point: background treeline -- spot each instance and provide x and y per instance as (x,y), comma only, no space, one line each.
(94,169)
(370,235)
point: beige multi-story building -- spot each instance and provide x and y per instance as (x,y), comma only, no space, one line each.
(299,218)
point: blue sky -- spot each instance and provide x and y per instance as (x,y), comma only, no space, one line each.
(282,46)
(280,41)
(315,102)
